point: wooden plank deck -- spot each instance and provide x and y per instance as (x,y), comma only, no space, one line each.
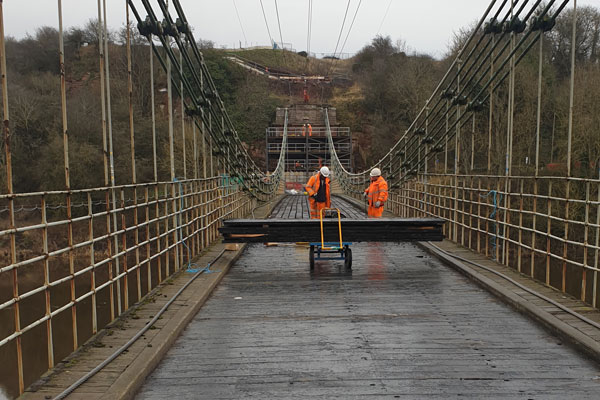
(399,325)
(296,207)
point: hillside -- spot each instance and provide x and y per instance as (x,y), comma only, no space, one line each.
(295,63)
(34,99)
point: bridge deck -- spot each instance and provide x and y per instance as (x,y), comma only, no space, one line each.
(400,325)
(296,207)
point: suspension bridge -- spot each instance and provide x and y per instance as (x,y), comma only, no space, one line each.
(131,292)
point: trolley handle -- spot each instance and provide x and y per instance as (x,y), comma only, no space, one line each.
(339,225)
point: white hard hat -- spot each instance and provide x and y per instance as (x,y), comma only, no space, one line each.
(375,172)
(325,172)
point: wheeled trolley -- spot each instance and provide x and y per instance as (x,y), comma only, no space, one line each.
(330,250)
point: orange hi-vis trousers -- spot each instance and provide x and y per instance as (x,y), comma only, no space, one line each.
(375,212)
(315,209)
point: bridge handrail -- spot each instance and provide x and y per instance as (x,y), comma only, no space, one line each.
(164,225)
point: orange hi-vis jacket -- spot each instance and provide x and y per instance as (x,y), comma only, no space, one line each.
(312,187)
(377,191)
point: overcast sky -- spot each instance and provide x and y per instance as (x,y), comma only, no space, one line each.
(425,25)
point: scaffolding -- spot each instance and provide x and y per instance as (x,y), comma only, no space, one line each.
(307,147)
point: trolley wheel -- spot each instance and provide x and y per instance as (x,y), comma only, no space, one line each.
(348,258)
(311,257)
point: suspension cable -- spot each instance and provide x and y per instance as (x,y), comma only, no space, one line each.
(384,16)
(280,35)
(351,25)
(240,21)
(335,60)
(266,23)
(309,28)
(338,40)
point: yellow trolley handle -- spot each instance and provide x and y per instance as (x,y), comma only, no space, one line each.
(339,227)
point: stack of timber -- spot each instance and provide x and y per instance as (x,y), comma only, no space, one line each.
(353,230)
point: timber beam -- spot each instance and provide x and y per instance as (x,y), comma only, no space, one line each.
(353,230)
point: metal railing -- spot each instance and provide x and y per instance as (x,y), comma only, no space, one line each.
(317,131)
(83,271)
(313,165)
(312,147)
(74,260)
(546,227)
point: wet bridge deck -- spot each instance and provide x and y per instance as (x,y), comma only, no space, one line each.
(399,325)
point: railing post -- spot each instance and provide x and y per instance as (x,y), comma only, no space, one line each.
(478,195)
(47,291)
(124,245)
(92,262)
(497,216)
(597,253)
(157,211)
(487,220)
(148,249)
(566,236)
(166,221)
(194,217)
(208,209)
(463,211)
(585,241)
(534,226)
(470,212)
(507,220)
(548,232)
(444,211)
(110,249)
(520,248)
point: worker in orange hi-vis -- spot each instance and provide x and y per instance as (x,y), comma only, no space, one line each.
(309,130)
(376,194)
(319,192)
(306,98)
